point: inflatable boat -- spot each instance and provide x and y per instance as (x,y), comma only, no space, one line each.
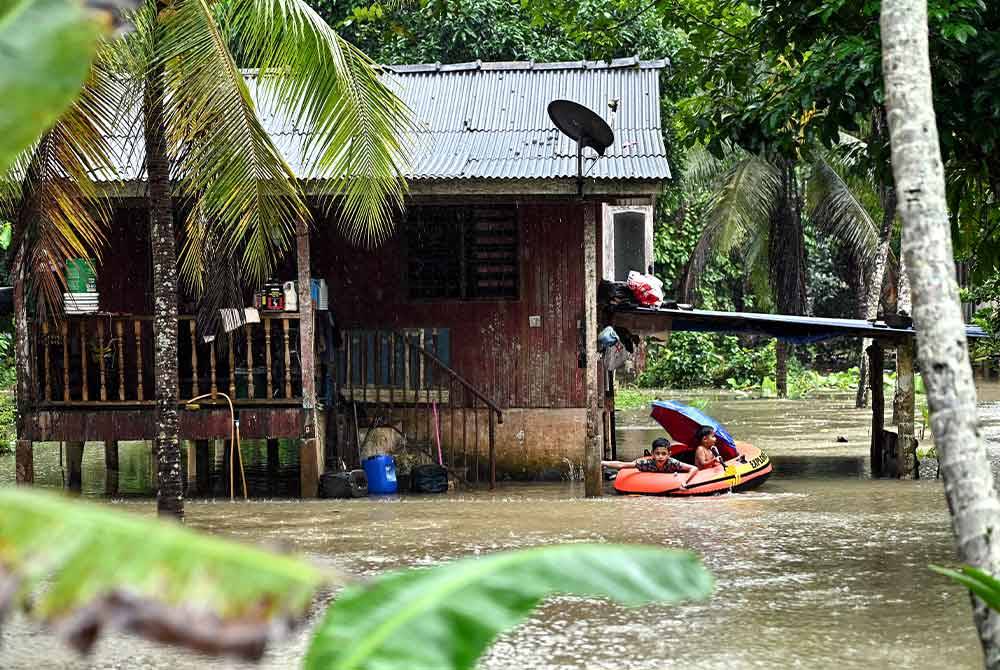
(744,465)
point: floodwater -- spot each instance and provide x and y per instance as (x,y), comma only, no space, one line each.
(819,568)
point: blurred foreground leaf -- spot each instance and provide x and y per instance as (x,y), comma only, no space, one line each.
(86,566)
(46,48)
(984,585)
(445,617)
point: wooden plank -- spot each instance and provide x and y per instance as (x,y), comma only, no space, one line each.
(307,334)
(211,367)
(877,450)
(111,468)
(232,368)
(65,348)
(195,391)
(288,358)
(387,394)
(101,356)
(46,368)
(137,327)
(84,391)
(593,483)
(266,322)
(120,342)
(250,389)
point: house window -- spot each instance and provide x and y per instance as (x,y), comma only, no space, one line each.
(462,253)
(628,241)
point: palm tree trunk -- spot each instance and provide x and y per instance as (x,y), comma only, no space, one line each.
(887,195)
(904,393)
(781,368)
(943,349)
(788,263)
(166,447)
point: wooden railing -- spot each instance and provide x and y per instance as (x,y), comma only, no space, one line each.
(108,359)
(398,379)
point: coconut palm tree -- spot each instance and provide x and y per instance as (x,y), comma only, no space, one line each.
(756,214)
(211,165)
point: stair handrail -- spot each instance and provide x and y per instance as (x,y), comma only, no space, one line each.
(492,406)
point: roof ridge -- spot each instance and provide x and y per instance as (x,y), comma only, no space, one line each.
(499,66)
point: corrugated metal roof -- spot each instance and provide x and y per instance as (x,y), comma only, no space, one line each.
(489,120)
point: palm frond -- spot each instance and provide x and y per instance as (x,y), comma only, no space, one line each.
(741,204)
(756,257)
(835,208)
(228,168)
(86,567)
(703,170)
(61,213)
(356,130)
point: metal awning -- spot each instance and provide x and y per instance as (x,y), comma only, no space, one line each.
(793,329)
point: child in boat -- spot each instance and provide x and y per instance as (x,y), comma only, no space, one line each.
(660,460)
(705,453)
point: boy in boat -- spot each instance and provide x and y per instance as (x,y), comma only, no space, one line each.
(705,453)
(660,460)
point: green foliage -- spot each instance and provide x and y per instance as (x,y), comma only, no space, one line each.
(47,48)
(88,566)
(445,617)
(456,31)
(701,360)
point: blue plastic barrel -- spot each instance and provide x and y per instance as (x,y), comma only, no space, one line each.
(381,472)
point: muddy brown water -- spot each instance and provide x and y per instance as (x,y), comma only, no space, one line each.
(819,568)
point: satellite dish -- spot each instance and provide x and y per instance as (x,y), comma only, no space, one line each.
(584,127)
(581,125)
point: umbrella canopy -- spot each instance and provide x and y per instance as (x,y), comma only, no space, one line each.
(682,421)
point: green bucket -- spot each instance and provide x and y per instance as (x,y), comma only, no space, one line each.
(80,275)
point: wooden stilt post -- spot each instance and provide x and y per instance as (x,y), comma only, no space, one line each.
(310,447)
(74,466)
(191,460)
(609,404)
(875,367)
(111,468)
(230,487)
(273,466)
(903,411)
(24,462)
(203,466)
(592,448)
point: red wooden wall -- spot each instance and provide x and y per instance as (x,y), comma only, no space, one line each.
(492,344)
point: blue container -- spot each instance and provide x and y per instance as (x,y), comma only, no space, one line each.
(381,473)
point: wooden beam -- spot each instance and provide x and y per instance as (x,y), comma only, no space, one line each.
(565,188)
(310,467)
(592,448)
(273,466)
(875,367)
(111,468)
(310,447)
(24,462)
(74,466)
(203,466)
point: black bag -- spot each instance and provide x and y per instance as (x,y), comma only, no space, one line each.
(353,484)
(429,478)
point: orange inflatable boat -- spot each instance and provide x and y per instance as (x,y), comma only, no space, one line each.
(745,466)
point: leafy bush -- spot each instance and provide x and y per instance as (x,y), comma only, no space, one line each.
(699,360)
